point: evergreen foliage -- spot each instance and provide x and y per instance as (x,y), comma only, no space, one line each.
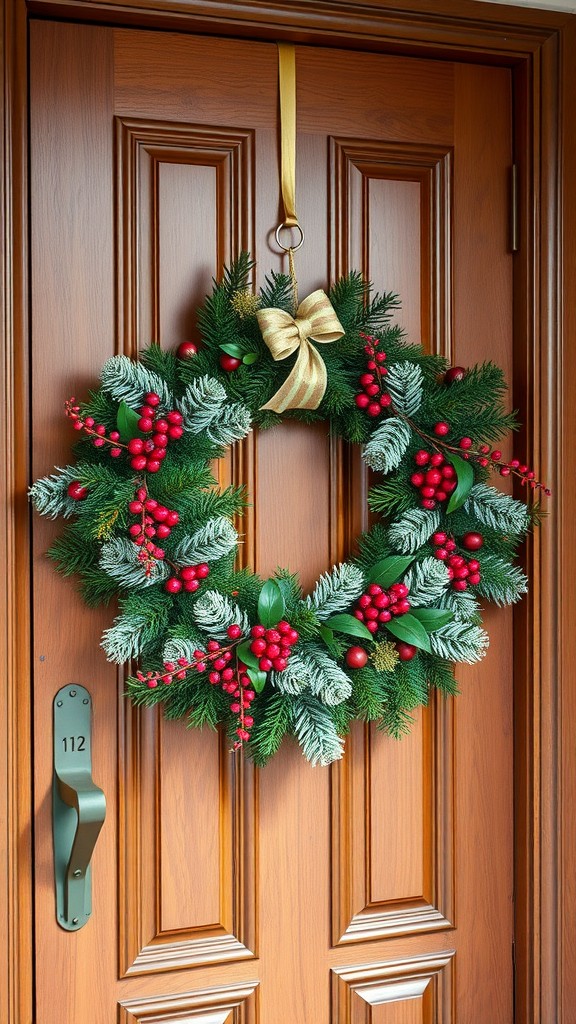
(317,694)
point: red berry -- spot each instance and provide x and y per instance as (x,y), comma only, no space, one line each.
(402,607)
(437,459)
(496,455)
(372,390)
(135,507)
(417,479)
(186,350)
(172,519)
(145,424)
(76,491)
(381,601)
(439,538)
(454,374)
(374,409)
(174,417)
(152,465)
(279,664)
(283,627)
(441,429)
(384,615)
(202,571)
(465,442)
(371,613)
(188,572)
(366,379)
(173,585)
(160,513)
(234,631)
(356,657)
(273,651)
(362,401)
(134,530)
(422,457)
(427,491)
(372,626)
(472,541)
(428,503)
(230,363)
(474,578)
(440,495)
(433,476)
(160,440)
(374,589)
(504,470)
(385,399)
(273,636)
(405,651)
(175,432)
(258,647)
(265,664)
(292,637)
(138,462)
(163,531)
(257,631)
(441,553)
(460,585)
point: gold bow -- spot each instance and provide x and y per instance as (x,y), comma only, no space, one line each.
(306,383)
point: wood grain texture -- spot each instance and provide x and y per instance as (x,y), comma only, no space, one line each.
(450,28)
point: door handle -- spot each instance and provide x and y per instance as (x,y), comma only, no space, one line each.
(78,806)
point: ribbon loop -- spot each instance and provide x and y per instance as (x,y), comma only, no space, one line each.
(315,319)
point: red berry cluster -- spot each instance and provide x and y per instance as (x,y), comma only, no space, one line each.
(484,455)
(97,431)
(377,605)
(189,578)
(461,573)
(273,646)
(216,661)
(373,397)
(435,479)
(148,454)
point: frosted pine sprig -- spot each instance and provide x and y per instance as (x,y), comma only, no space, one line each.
(411,532)
(336,590)
(128,382)
(501,582)
(426,582)
(201,402)
(119,558)
(405,383)
(385,449)
(125,638)
(499,511)
(232,423)
(211,542)
(315,731)
(459,641)
(215,612)
(50,494)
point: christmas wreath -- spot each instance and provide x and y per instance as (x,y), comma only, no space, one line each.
(150,527)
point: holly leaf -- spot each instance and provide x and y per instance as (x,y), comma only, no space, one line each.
(389,569)
(350,625)
(410,630)
(432,618)
(249,358)
(232,350)
(257,678)
(271,604)
(465,478)
(246,655)
(327,635)
(127,422)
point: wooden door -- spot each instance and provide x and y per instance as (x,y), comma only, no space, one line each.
(378,891)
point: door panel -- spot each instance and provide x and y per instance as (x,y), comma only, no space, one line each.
(379,890)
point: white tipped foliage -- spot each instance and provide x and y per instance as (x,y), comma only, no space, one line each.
(49,495)
(313,669)
(119,558)
(405,384)
(462,603)
(501,582)
(294,678)
(211,542)
(232,424)
(125,638)
(416,526)
(179,647)
(315,731)
(385,449)
(336,590)
(201,402)
(214,612)
(128,382)
(459,641)
(493,508)
(426,581)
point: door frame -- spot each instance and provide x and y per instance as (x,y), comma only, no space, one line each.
(536,46)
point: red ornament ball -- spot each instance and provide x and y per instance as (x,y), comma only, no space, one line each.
(356,657)
(76,491)
(229,363)
(405,651)
(472,541)
(454,374)
(187,350)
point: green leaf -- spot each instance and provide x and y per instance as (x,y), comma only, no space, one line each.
(389,569)
(127,422)
(328,638)
(232,350)
(257,677)
(410,630)
(350,625)
(271,604)
(246,655)
(432,618)
(249,358)
(465,477)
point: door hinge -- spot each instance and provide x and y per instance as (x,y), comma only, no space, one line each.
(514,209)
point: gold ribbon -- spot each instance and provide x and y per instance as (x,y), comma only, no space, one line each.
(287,89)
(316,319)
